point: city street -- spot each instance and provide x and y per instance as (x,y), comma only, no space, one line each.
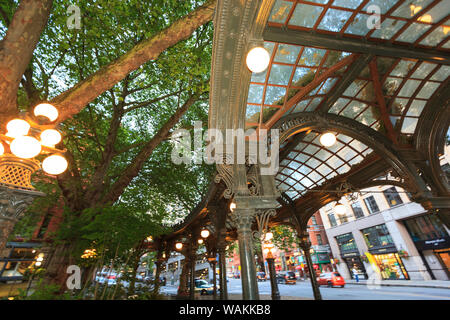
(303,289)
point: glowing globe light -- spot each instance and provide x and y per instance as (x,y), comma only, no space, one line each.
(54,164)
(232,206)
(200,241)
(204,233)
(327,139)
(17,128)
(25,147)
(340,208)
(46,110)
(2,149)
(50,137)
(178,245)
(258,59)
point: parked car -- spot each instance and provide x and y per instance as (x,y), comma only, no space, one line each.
(261,276)
(331,279)
(286,277)
(203,287)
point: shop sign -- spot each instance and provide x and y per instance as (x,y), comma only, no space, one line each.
(350,254)
(440,243)
(382,250)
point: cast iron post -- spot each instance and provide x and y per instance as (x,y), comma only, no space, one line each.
(273,278)
(306,246)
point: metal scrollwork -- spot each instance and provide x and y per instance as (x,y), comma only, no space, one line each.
(262,221)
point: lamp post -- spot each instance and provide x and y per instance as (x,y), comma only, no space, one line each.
(268,247)
(26,137)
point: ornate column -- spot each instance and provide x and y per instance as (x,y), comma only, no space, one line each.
(222,271)
(306,246)
(213,262)
(13,203)
(243,219)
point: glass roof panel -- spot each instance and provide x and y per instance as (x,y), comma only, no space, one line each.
(255,93)
(334,20)
(273,94)
(280,11)
(312,56)
(280,74)
(408,88)
(389,27)
(324,165)
(427,90)
(350,4)
(442,74)
(384,5)
(437,35)
(253,113)
(402,68)
(423,70)
(287,53)
(438,12)
(413,32)
(416,107)
(305,15)
(409,125)
(359,25)
(410,8)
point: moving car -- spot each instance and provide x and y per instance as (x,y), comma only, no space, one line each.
(286,277)
(331,279)
(261,276)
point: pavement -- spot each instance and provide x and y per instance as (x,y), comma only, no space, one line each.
(406,283)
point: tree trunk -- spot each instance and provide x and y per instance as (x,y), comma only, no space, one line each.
(135,265)
(56,269)
(183,289)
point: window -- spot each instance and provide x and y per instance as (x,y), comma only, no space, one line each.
(319,239)
(313,220)
(377,236)
(332,219)
(346,243)
(425,228)
(357,210)
(371,204)
(342,218)
(392,197)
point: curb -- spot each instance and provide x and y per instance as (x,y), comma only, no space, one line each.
(402,285)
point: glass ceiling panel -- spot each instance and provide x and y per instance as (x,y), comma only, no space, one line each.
(402,21)
(311,165)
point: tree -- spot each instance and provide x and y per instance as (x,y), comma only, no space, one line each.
(152,70)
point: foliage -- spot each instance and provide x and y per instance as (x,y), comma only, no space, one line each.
(284,237)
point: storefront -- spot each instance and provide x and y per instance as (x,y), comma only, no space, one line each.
(391,266)
(431,239)
(384,253)
(21,256)
(350,255)
(353,261)
(322,260)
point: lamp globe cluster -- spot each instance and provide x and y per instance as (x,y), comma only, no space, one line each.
(27,141)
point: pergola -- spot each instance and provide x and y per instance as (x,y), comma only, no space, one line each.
(383,90)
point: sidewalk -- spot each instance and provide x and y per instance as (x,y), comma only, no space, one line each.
(441,284)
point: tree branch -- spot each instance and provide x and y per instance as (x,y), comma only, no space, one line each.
(138,162)
(75,99)
(16,50)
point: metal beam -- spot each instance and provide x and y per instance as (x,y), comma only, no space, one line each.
(307,38)
(351,74)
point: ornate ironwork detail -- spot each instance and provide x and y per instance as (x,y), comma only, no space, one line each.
(14,203)
(262,222)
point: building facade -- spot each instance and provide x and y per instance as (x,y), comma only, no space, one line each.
(384,233)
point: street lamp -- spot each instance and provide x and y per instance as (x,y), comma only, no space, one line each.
(327,139)
(232,206)
(258,59)
(340,208)
(204,233)
(267,249)
(26,137)
(178,245)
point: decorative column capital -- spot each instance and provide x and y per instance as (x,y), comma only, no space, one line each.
(13,203)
